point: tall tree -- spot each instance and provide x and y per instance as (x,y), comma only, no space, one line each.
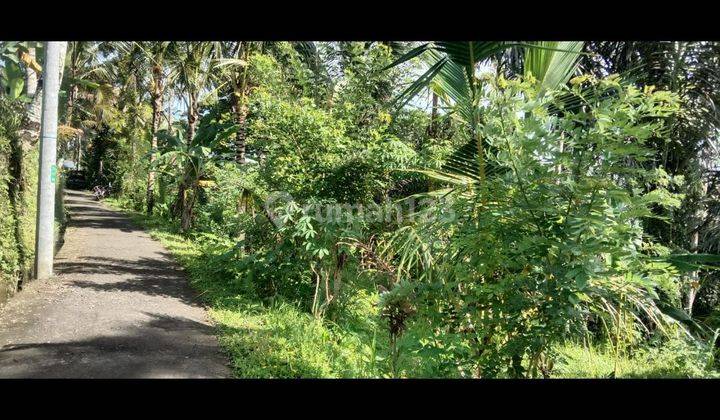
(156,56)
(84,70)
(234,69)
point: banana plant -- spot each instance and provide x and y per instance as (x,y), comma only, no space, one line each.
(209,144)
(206,146)
(13,56)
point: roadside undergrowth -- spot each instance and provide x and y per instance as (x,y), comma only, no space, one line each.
(264,339)
(278,339)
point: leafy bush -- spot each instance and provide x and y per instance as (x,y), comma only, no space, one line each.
(550,238)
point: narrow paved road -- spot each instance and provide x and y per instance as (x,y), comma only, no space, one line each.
(118,307)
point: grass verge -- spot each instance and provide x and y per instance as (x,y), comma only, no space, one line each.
(275,340)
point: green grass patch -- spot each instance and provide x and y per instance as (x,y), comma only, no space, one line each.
(676,358)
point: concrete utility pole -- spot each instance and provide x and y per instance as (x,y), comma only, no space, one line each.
(44,235)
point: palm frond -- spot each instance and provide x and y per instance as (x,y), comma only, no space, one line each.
(552,62)
(468,54)
(464,162)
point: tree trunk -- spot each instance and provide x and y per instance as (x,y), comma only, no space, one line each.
(187,208)
(187,193)
(69,111)
(241,112)
(79,150)
(240,118)
(63,52)
(72,96)
(157,108)
(192,117)
(694,278)
(169,116)
(187,188)
(695,247)
(434,116)
(31,80)
(30,130)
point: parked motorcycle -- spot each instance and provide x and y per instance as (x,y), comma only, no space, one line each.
(101,191)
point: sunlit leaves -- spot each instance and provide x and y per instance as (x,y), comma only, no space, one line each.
(555,235)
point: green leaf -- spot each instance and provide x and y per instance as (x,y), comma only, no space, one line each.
(473,52)
(552,62)
(693,262)
(450,178)
(419,84)
(16,87)
(408,56)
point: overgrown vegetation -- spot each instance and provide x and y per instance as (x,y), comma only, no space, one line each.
(524,220)
(18,183)
(19,151)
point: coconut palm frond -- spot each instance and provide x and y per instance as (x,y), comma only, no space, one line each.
(552,62)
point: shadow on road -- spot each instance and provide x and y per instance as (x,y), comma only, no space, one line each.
(140,351)
(149,276)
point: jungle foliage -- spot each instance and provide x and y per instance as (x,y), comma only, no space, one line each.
(441,209)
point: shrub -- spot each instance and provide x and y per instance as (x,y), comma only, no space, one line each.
(551,237)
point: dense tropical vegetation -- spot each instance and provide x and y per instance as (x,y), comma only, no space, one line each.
(393,209)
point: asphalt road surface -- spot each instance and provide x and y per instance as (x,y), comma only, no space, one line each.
(117,307)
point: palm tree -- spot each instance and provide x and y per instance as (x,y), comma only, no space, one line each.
(154,62)
(234,70)
(191,62)
(158,61)
(451,74)
(311,55)
(83,69)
